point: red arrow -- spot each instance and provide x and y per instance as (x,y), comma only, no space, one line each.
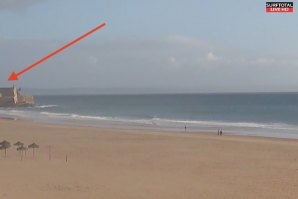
(15,76)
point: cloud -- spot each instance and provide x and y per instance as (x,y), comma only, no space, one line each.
(186,41)
(212,57)
(172,60)
(17,4)
(173,63)
(264,61)
(115,63)
(93,60)
(142,64)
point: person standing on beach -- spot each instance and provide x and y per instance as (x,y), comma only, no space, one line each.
(185,128)
(220,132)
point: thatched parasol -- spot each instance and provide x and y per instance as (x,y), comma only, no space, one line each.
(18,143)
(4,145)
(33,146)
(22,149)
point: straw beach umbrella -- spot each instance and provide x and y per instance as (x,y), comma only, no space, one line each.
(22,149)
(4,145)
(33,146)
(18,143)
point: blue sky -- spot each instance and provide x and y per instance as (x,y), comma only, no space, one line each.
(204,46)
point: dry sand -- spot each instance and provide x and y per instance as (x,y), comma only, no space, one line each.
(133,164)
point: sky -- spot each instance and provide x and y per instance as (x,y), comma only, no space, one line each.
(165,45)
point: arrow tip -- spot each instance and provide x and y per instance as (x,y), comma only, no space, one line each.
(13,77)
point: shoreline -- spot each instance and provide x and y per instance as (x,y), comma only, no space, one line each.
(145,131)
(146,128)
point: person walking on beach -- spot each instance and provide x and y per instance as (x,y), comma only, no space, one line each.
(220,132)
(185,128)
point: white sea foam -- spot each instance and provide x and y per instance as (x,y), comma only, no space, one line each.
(55,114)
(162,123)
(46,106)
(159,122)
(87,117)
(222,124)
(214,123)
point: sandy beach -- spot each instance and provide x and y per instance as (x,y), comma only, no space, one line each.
(122,163)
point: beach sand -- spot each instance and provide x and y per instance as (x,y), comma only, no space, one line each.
(141,164)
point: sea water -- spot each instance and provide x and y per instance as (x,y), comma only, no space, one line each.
(259,114)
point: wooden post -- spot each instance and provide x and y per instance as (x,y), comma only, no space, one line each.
(50,152)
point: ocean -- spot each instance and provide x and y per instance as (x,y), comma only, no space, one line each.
(257,114)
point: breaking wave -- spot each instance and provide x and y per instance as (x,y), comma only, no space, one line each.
(45,106)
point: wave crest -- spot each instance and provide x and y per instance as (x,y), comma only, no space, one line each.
(46,106)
